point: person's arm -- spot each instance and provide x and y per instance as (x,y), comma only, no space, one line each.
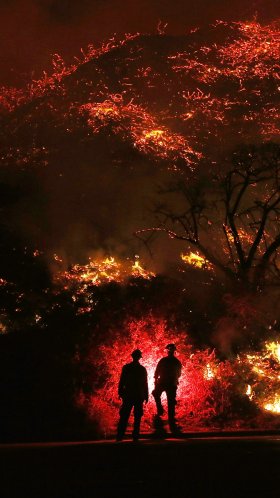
(146,387)
(179,369)
(157,372)
(121,383)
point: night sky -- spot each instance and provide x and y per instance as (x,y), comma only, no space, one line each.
(32,30)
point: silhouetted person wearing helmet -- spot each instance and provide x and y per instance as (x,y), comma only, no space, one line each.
(133,389)
(167,374)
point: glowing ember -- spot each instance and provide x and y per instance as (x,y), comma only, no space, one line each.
(247,238)
(135,124)
(57,258)
(255,54)
(208,92)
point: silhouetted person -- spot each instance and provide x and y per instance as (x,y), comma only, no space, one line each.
(167,374)
(133,389)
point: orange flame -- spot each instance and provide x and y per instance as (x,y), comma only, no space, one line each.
(194,259)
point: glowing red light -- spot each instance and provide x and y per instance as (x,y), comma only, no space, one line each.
(200,371)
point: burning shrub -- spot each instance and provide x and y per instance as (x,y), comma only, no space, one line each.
(203,392)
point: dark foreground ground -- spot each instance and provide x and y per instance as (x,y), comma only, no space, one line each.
(228,467)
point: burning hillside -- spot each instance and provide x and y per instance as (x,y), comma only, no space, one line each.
(148,135)
(180,103)
(106,270)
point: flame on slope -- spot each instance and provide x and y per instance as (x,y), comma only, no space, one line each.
(97,272)
(194,259)
(139,126)
(265,367)
(254,53)
(250,59)
(245,65)
(81,279)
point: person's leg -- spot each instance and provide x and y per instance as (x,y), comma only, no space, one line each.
(157,392)
(138,412)
(124,416)
(171,402)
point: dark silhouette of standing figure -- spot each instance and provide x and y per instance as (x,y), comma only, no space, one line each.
(133,389)
(167,374)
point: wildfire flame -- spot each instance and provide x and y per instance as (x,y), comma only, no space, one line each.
(265,367)
(194,259)
(209,373)
(97,272)
(249,392)
(274,348)
(137,125)
(273,406)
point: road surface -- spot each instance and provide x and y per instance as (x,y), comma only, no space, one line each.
(202,467)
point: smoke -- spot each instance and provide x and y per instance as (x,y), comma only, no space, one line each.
(84,202)
(245,320)
(226,336)
(69,11)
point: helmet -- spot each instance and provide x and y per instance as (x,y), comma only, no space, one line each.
(171,347)
(136,354)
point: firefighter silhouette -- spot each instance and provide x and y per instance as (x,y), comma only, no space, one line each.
(133,389)
(167,374)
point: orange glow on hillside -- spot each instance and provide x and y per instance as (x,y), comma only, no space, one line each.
(137,125)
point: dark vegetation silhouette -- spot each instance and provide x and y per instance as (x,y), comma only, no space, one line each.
(231,216)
